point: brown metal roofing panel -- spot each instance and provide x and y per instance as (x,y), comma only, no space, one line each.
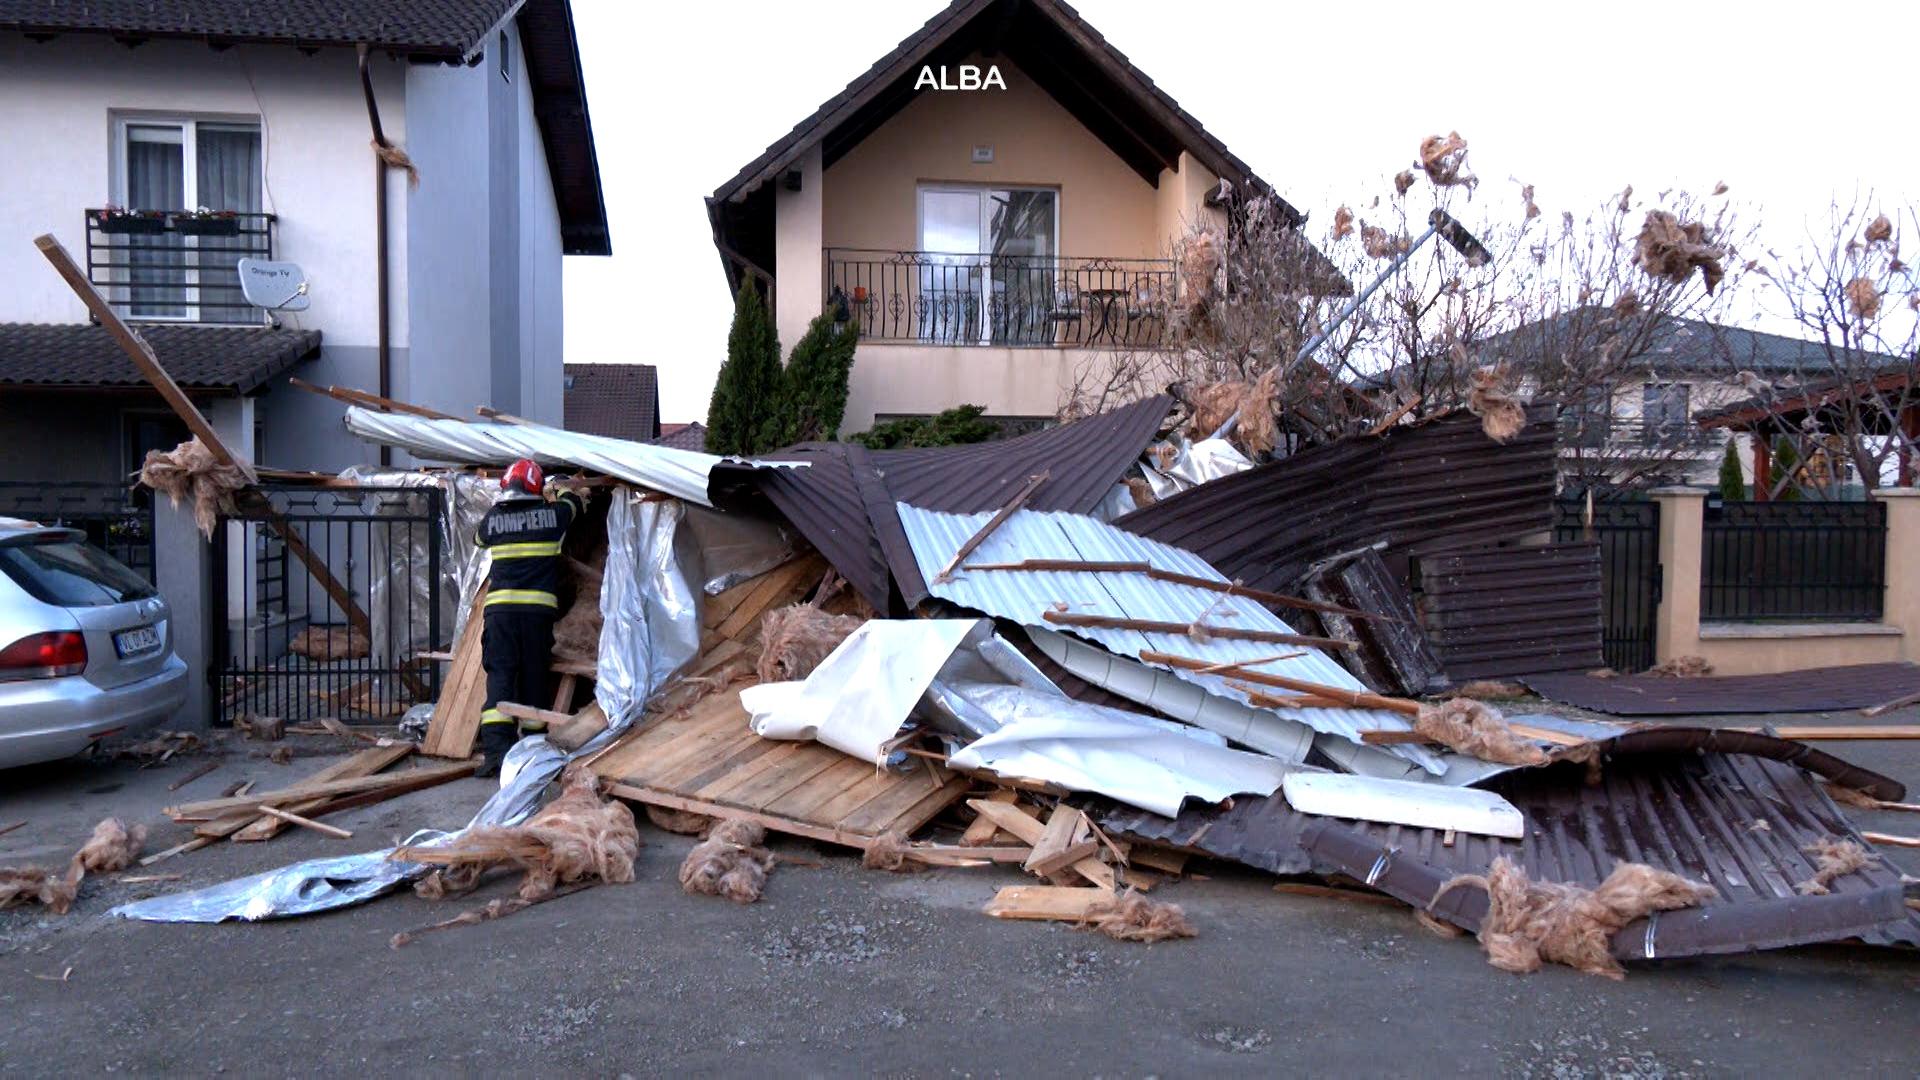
(620,401)
(1852,686)
(1498,612)
(843,502)
(1436,486)
(1691,813)
(238,359)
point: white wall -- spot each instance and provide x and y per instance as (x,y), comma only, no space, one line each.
(484,231)
(56,100)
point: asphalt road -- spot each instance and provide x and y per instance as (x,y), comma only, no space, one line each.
(840,970)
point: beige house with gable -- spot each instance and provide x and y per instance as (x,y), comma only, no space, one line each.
(991,242)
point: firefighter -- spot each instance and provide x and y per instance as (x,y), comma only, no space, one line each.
(523,533)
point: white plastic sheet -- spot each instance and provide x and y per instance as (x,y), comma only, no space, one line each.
(861,694)
(1191,464)
(1153,764)
(680,473)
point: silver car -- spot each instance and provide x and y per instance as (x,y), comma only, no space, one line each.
(85,646)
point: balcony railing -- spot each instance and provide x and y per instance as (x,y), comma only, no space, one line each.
(1633,437)
(1005,300)
(174,265)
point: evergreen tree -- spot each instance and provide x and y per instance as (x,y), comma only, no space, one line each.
(1733,485)
(815,392)
(1786,464)
(743,414)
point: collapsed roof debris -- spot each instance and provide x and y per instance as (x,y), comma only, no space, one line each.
(1126,694)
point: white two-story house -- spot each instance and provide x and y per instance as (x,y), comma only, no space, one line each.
(161,143)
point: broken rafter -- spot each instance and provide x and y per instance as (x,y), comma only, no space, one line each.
(372,401)
(1358,699)
(1230,588)
(1150,626)
(999,518)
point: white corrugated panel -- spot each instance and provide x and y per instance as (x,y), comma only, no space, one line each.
(680,473)
(1026,595)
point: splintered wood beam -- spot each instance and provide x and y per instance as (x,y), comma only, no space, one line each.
(998,519)
(1228,633)
(138,351)
(150,368)
(1358,699)
(1272,599)
(373,401)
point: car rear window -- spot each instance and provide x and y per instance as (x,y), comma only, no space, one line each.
(71,574)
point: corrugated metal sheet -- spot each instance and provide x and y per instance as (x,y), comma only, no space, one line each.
(1423,489)
(843,503)
(1853,686)
(1692,812)
(1025,597)
(1498,612)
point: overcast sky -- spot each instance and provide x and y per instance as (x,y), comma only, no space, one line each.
(1787,103)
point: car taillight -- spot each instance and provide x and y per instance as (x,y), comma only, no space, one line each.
(44,656)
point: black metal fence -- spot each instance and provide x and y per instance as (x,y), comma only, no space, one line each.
(114,516)
(322,599)
(1628,531)
(1794,561)
(1008,300)
(176,265)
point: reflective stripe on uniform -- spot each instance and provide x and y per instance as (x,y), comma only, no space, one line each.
(533,727)
(495,716)
(525,551)
(522,596)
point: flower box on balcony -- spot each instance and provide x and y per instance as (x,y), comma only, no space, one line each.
(206,224)
(132,222)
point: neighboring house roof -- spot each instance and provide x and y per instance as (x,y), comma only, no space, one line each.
(1893,389)
(620,401)
(449,31)
(1681,346)
(228,359)
(683,436)
(1046,39)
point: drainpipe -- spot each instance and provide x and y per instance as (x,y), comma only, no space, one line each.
(381,163)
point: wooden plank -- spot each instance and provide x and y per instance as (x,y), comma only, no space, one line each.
(456,716)
(1225,633)
(307,823)
(1888,706)
(1359,699)
(823,789)
(211,808)
(770,786)
(1064,841)
(1027,828)
(881,813)
(673,801)
(1891,840)
(983,829)
(252,827)
(772,586)
(1154,857)
(1071,904)
(993,524)
(932,804)
(563,688)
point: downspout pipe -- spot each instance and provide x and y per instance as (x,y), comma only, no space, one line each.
(381,165)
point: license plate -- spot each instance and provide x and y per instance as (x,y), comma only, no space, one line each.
(140,639)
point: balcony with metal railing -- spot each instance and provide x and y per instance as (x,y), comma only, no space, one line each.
(1599,435)
(934,298)
(176,265)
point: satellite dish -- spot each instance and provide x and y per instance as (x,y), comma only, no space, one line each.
(276,286)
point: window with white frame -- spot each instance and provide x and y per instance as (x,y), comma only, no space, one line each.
(989,263)
(178,164)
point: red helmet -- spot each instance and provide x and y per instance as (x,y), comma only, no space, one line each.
(524,474)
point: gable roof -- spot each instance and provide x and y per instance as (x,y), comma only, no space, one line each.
(1048,41)
(229,359)
(620,401)
(447,31)
(690,436)
(1681,345)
